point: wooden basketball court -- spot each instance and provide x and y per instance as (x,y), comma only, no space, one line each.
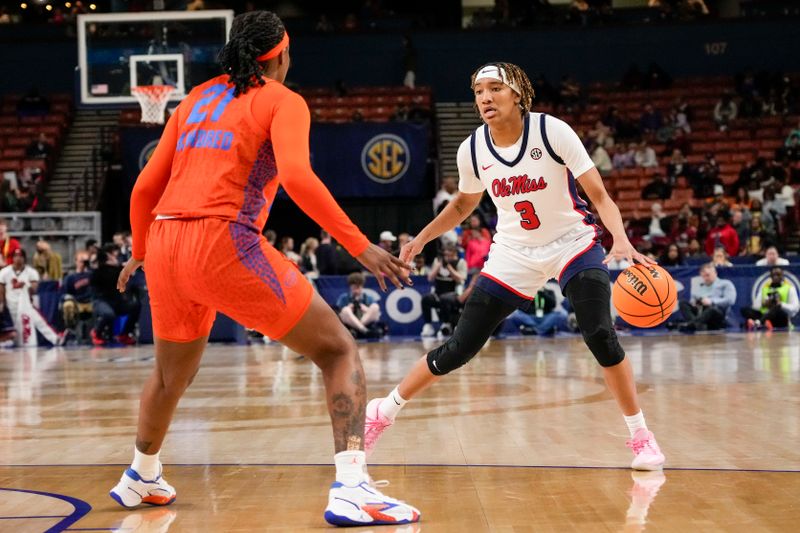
(523,439)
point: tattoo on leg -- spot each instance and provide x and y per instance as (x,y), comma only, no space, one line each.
(342,406)
(348,416)
(143,445)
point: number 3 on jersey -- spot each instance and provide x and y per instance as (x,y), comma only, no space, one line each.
(527,214)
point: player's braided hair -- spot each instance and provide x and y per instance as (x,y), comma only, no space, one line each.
(252,34)
(515,75)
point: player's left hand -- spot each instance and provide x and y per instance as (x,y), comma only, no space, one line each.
(130,267)
(624,250)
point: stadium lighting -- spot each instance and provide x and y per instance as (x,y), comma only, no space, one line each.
(68,5)
(23,5)
(48,7)
(92,7)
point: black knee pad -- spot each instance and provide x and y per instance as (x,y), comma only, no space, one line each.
(589,293)
(482,313)
(451,355)
(604,345)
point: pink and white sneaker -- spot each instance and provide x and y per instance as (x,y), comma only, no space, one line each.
(647,454)
(374,425)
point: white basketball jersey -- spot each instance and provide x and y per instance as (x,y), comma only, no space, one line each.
(531,183)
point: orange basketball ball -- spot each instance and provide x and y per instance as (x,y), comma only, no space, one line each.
(644,295)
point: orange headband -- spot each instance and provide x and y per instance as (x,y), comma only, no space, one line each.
(277,49)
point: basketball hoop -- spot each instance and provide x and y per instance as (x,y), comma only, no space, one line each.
(153,100)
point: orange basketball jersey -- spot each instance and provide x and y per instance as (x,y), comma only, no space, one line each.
(224,157)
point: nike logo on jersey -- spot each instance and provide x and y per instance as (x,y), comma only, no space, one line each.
(487,167)
(517,185)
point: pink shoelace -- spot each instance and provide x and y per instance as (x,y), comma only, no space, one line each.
(373,429)
(377,425)
(637,445)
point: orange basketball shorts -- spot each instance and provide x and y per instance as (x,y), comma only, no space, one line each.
(196,267)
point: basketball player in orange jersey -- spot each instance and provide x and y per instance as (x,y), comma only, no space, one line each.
(528,163)
(197,211)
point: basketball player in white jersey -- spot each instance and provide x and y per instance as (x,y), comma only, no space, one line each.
(529,163)
(18,283)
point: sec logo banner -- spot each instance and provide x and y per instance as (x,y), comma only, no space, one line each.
(147,153)
(385,158)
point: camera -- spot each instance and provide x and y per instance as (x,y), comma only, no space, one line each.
(774,298)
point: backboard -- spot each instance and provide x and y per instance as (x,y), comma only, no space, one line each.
(117,51)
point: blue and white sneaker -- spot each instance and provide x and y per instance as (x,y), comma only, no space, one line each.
(365,505)
(132,490)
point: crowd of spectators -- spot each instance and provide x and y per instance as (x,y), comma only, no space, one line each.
(91,309)
(743,230)
(24,190)
(371,15)
(58,14)
(745,216)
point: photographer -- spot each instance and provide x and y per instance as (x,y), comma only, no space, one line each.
(447,274)
(108,303)
(358,311)
(774,306)
(709,303)
(542,317)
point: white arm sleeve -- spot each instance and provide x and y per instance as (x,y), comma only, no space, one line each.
(568,146)
(758,302)
(468,182)
(793,305)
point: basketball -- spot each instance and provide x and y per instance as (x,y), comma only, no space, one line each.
(644,296)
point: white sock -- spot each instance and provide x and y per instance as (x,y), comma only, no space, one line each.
(351,467)
(392,404)
(147,466)
(635,422)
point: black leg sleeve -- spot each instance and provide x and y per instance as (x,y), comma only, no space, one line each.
(482,314)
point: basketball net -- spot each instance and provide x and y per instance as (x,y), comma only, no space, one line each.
(153,101)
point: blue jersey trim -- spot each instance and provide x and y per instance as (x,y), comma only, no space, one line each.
(590,258)
(474,155)
(522,149)
(496,288)
(547,146)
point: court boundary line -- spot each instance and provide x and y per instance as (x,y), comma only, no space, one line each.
(37,517)
(80,508)
(419,465)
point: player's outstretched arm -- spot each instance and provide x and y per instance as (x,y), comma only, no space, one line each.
(146,193)
(289,131)
(453,214)
(592,183)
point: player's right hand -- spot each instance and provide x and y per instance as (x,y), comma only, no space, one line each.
(130,267)
(410,250)
(383,264)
